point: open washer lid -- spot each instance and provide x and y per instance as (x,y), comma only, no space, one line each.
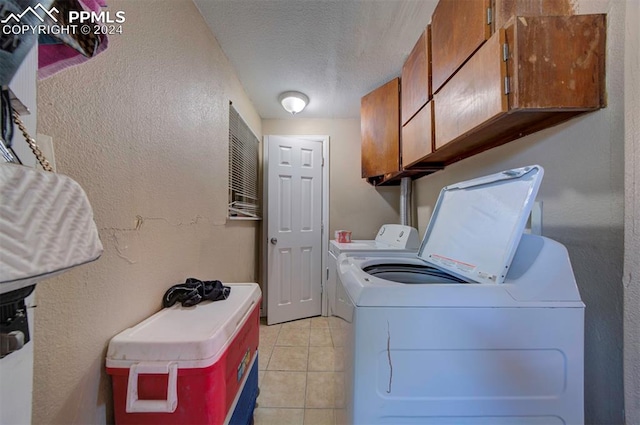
(476,225)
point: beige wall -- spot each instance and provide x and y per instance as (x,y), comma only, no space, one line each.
(583,197)
(144,129)
(632,215)
(354,204)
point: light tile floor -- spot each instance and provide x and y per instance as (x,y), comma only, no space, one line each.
(298,368)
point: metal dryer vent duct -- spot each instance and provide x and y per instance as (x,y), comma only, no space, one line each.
(405,201)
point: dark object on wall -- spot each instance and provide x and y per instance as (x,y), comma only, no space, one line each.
(193,291)
(16,42)
(59,51)
(14,326)
(6,130)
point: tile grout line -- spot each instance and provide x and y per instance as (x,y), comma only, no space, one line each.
(275,341)
(306,373)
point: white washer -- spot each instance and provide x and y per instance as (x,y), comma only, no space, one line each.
(473,330)
(390,239)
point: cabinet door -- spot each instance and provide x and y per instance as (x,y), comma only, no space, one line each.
(556,62)
(503,10)
(417,136)
(416,89)
(458,28)
(475,96)
(380,130)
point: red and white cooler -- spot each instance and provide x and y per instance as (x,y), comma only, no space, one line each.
(189,365)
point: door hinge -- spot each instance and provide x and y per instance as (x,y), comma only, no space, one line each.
(489,16)
(507,88)
(505,52)
(323,161)
(322,229)
(327,273)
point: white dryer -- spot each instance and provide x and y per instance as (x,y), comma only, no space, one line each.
(484,326)
(391,239)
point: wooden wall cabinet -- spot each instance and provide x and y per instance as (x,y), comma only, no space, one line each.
(483,73)
(380,134)
(503,10)
(533,74)
(416,78)
(417,138)
(417,108)
(458,28)
(380,130)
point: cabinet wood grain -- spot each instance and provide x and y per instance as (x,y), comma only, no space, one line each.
(556,62)
(503,10)
(380,130)
(474,96)
(417,136)
(458,28)
(416,81)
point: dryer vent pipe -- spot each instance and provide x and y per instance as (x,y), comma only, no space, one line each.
(405,201)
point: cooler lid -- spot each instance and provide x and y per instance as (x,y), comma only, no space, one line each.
(186,334)
(476,225)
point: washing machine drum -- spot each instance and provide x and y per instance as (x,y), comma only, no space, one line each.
(411,274)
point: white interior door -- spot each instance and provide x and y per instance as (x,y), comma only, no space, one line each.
(294,228)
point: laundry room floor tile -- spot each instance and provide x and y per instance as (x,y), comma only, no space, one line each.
(269,334)
(320,390)
(320,337)
(322,359)
(297,324)
(297,375)
(337,336)
(319,417)
(264,354)
(319,322)
(294,337)
(272,416)
(282,389)
(289,358)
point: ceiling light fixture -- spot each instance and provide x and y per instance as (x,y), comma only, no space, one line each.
(293,101)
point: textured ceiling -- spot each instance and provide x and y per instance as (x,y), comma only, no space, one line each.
(334,51)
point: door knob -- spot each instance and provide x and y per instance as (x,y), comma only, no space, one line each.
(274,241)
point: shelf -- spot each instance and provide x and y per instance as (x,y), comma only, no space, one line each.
(393,179)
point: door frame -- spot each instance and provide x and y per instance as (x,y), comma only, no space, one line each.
(265,216)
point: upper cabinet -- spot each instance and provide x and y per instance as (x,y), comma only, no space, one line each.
(534,73)
(458,28)
(483,73)
(417,110)
(380,130)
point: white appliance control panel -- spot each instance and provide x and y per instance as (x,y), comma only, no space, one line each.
(398,235)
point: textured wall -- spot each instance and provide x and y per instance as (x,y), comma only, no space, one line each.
(583,203)
(353,204)
(632,215)
(144,129)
